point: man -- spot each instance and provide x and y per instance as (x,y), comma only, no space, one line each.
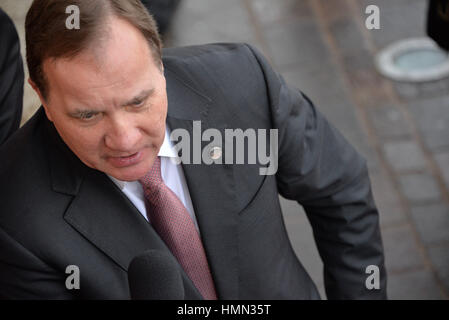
(77,176)
(11,78)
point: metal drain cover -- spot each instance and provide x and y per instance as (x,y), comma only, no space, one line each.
(413,60)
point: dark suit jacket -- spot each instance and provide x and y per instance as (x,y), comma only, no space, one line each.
(56,212)
(11,78)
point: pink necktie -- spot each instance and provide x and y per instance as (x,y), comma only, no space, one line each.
(172,222)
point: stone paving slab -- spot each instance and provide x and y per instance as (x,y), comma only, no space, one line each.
(295,42)
(404,155)
(391,211)
(432,222)
(195,23)
(401,250)
(301,236)
(273,12)
(439,255)
(399,19)
(419,188)
(432,118)
(389,123)
(416,285)
(417,91)
(442,159)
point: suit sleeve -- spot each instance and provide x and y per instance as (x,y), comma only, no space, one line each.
(11,78)
(319,169)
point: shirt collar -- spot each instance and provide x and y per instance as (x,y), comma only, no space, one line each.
(166,150)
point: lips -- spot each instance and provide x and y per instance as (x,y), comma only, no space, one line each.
(129,160)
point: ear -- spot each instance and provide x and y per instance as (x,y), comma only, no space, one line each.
(41,98)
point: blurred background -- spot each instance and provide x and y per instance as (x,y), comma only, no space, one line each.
(324,48)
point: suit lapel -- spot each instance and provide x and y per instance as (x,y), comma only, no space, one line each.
(106,217)
(211,188)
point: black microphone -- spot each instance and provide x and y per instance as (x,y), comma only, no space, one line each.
(155,275)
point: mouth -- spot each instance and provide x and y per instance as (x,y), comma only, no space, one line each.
(125,161)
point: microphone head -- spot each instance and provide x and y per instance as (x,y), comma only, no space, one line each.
(155,275)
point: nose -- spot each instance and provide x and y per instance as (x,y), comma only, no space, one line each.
(123,135)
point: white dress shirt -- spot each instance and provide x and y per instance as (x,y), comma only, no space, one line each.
(173,177)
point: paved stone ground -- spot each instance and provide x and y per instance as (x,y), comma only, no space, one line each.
(323,48)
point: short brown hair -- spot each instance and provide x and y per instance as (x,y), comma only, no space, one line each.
(48,37)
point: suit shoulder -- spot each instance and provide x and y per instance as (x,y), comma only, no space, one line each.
(216,66)
(229,74)
(204,50)
(232,56)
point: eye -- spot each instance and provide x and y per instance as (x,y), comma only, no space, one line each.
(88,115)
(137,103)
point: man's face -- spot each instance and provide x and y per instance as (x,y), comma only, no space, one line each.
(109,104)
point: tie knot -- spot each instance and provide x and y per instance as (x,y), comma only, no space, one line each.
(153,177)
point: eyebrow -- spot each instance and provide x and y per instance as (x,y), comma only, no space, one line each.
(141,96)
(78,112)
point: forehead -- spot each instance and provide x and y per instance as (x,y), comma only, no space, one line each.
(120,64)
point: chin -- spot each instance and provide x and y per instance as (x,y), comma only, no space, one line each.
(129,174)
